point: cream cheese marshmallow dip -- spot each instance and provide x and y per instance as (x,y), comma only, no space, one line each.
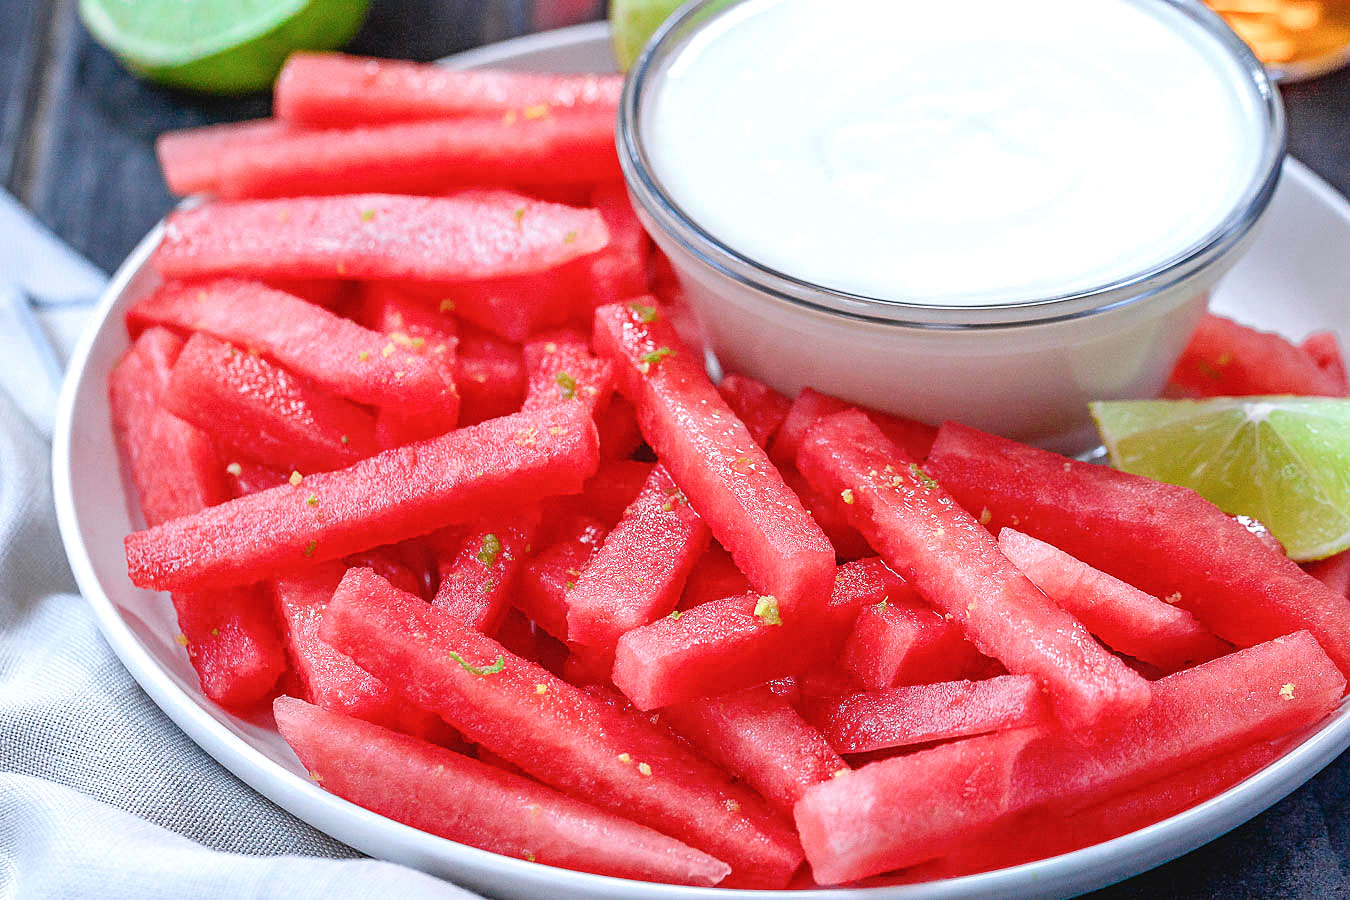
(947,164)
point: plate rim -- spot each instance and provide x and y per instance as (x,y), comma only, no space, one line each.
(1081,870)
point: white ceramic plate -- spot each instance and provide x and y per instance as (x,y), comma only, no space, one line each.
(1292,280)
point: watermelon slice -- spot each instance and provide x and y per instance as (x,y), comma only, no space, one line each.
(1225,359)
(244,478)
(334,352)
(741,641)
(261,412)
(547,577)
(1038,834)
(330,679)
(921,713)
(828,512)
(190,158)
(377,236)
(391,565)
(905,641)
(398,494)
(620,436)
(901,811)
(639,571)
(606,496)
(561,735)
(954,563)
(444,793)
(714,459)
(913,438)
(1325,349)
(1334,572)
(490,377)
(1167,541)
(564,371)
(620,270)
(759,406)
(427,157)
(1124,617)
(756,736)
(425,330)
(332,89)
(513,308)
(230,636)
(478,573)
(713,577)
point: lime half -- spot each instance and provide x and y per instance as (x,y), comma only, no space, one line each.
(218,46)
(1282,460)
(633,22)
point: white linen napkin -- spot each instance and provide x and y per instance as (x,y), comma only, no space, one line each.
(100,794)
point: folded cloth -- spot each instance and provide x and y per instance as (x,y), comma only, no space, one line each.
(100,794)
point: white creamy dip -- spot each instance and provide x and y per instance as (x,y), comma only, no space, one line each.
(954,152)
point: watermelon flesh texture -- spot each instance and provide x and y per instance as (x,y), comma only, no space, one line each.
(828,513)
(190,157)
(605,496)
(513,308)
(332,351)
(914,438)
(713,577)
(640,570)
(899,812)
(1125,618)
(230,636)
(478,570)
(547,577)
(1334,572)
(724,646)
(1038,835)
(377,236)
(559,734)
(905,641)
(918,714)
(334,90)
(330,678)
(620,436)
(444,793)
(759,406)
(429,332)
(1167,541)
(387,498)
(759,738)
(260,412)
(955,564)
(1325,349)
(711,455)
(490,377)
(620,270)
(427,157)
(564,371)
(1226,359)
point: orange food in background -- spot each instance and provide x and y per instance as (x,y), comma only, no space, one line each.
(1298,37)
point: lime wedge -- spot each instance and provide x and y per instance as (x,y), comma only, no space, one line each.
(1282,460)
(633,22)
(218,46)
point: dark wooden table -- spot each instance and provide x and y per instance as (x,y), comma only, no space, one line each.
(76,146)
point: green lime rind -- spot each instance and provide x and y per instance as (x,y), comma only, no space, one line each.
(632,23)
(218,46)
(1282,460)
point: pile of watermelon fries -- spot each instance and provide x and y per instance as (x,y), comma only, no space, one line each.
(432,466)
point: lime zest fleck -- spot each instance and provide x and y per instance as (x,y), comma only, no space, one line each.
(541,689)
(487,552)
(529,856)
(647,360)
(644,769)
(646,314)
(346,440)
(847,495)
(567,385)
(625,757)
(312,500)
(311,547)
(448,306)
(296,478)
(766,609)
(922,477)
(367,215)
(518,214)
(235,469)
(570,237)
(1287,691)
(986,516)
(675,615)
(180,639)
(880,607)
(363,355)
(215,632)
(536,111)
(480,671)
(387,350)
